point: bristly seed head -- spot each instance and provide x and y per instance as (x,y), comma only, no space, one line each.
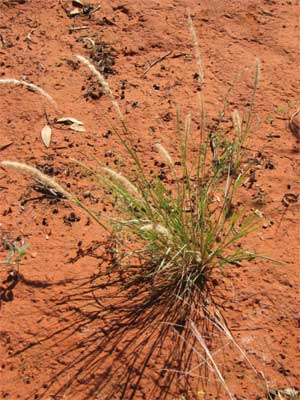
(165,154)
(237,121)
(30,86)
(103,83)
(294,124)
(158,228)
(120,179)
(196,48)
(38,174)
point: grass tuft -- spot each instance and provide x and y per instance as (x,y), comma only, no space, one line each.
(188,225)
(182,226)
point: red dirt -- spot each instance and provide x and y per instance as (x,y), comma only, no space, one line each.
(262,298)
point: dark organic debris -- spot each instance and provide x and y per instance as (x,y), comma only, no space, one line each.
(290,198)
(14,2)
(71,218)
(47,191)
(89,251)
(80,8)
(6,291)
(105,21)
(103,56)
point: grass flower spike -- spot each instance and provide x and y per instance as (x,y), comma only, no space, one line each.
(39,175)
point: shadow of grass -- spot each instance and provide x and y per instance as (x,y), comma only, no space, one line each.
(130,339)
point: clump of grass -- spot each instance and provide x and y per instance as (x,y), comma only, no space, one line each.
(191,227)
(185,230)
(181,228)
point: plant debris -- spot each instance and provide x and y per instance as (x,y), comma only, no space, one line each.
(71,218)
(290,198)
(80,8)
(68,121)
(46,134)
(103,56)
(72,123)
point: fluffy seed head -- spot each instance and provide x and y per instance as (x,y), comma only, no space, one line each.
(294,124)
(158,228)
(196,48)
(164,154)
(39,175)
(30,86)
(237,121)
(103,83)
(120,179)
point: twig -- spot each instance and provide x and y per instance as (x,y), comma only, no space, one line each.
(2,42)
(160,59)
(78,28)
(177,55)
(4,146)
(28,39)
(47,118)
(95,10)
(91,41)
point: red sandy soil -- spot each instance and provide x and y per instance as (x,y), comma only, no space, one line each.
(262,298)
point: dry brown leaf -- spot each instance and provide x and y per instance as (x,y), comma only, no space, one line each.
(46,134)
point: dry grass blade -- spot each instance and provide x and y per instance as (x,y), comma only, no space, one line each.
(39,175)
(160,59)
(210,357)
(31,86)
(221,325)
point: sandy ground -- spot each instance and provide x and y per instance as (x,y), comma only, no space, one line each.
(38,43)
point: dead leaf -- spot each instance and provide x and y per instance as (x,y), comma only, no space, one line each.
(46,135)
(77,3)
(77,128)
(68,121)
(74,12)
